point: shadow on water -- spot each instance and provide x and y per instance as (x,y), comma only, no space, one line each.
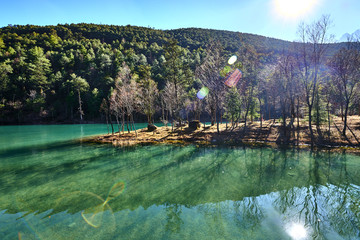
(179,192)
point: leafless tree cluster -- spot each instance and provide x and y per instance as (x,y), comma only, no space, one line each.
(171,101)
(303,82)
(123,99)
(209,73)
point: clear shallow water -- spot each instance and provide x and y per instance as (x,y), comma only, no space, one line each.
(12,137)
(69,190)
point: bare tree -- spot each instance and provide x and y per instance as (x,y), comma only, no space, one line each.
(328,91)
(208,73)
(194,105)
(169,99)
(313,39)
(116,108)
(178,73)
(126,92)
(345,67)
(105,109)
(147,97)
(285,77)
(250,60)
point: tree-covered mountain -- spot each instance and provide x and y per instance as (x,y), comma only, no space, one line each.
(191,38)
(53,73)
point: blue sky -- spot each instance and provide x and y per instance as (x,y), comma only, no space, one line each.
(249,16)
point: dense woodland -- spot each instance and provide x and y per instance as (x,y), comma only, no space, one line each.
(91,73)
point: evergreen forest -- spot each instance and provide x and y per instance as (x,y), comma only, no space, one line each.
(83,73)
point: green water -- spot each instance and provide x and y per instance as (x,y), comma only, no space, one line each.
(58,188)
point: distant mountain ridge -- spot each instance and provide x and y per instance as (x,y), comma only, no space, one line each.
(232,41)
(347,36)
(191,38)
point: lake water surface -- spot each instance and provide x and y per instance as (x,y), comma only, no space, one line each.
(55,187)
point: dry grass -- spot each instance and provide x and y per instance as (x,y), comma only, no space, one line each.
(271,133)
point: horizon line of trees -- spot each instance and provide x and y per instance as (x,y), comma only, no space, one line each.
(48,77)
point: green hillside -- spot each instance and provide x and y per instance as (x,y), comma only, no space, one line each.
(41,66)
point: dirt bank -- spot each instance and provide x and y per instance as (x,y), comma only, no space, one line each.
(271,133)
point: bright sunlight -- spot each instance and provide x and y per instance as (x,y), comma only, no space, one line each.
(297,231)
(293,9)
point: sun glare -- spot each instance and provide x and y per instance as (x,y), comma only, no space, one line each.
(297,231)
(293,9)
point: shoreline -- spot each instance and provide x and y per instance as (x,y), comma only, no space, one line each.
(270,135)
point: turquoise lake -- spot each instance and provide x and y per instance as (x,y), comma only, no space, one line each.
(53,186)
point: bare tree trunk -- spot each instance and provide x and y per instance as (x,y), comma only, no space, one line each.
(292,116)
(172,123)
(284,115)
(269,109)
(217,119)
(345,117)
(123,122)
(215,115)
(342,112)
(298,114)
(112,127)
(167,117)
(245,118)
(117,121)
(310,127)
(212,113)
(130,124)
(298,120)
(328,113)
(318,129)
(127,123)
(292,113)
(107,122)
(80,107)
(133,123)
(260,113)
(162,111)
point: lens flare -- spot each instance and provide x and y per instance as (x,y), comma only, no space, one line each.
(116,190)
(232,60)
(93,215)
(204,91)
(233,78)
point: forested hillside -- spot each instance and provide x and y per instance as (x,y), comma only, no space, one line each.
(91,73)
(41,66)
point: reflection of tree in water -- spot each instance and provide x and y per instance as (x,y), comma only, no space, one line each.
(315,190)
(203,180)
(327,210)
(216,214)
(248,215)
(173,218)
(344,199)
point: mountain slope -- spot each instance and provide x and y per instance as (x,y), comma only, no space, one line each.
(41,67)
(191,38)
